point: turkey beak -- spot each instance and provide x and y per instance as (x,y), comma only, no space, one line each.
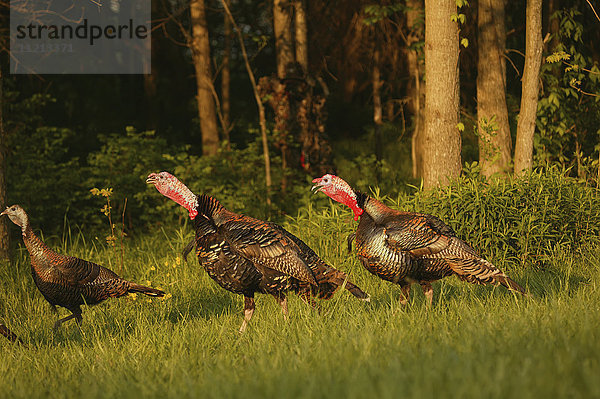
(151,179)
(317,187)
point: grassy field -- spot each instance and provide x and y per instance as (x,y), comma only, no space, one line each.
(476,342)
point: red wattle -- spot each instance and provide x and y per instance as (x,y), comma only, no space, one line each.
(357,212)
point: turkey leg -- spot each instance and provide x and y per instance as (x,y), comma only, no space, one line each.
(248,311)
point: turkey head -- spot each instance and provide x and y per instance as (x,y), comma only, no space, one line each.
(169,186)
(338,190)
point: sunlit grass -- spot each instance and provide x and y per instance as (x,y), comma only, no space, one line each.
(476,342)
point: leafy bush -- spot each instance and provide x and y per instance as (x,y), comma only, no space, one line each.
(44,179)
(122,164)
(568,109)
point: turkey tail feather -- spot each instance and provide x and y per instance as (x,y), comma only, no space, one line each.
(511,284)
(350,238)
(10,335)
(340,279)
(357,292)
(133,287)
(480,271)
(187,249)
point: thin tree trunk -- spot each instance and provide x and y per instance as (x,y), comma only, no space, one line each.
(150,75)
(282,26)
(442,142)
(201,56)
(377,109)
(494,137)
(301,35)
(553,24)
(226,80)
(4,235)
(351,45)
(530,87)
(377,83)
(416,85)
(261,109)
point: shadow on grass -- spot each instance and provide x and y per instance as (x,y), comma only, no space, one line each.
(550,282)
(205,306)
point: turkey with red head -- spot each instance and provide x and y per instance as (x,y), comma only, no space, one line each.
(68,281)
(247,256)
(406,247)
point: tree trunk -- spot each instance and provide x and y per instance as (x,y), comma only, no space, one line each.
(282,27)
(377,109)
(301,35)
(553,24)
(226,80)
(499,12)
(377,83)
(4,235)
(442,142)
(150,75)
(416,85)
(530,87)
(494,136)
(205,89)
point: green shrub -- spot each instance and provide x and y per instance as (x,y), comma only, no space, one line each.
(44,179)
(122,164)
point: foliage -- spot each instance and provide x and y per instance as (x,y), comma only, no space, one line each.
(377,12)
(386,165)
(569,108)
(42,175)
(123,163)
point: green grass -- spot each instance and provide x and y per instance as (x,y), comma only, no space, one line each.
(476,342)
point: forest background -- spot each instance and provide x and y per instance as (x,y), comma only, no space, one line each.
(341,88)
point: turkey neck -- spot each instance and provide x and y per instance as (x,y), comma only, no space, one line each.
(38,251)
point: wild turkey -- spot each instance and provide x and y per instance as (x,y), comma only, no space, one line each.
(406,248)
(68,281)
(245,255)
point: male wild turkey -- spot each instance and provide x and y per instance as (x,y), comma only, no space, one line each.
(245,255)
(406,247)
(68,281)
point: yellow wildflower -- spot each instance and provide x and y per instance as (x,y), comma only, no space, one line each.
(167,296)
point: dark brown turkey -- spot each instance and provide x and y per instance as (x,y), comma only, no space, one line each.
(406,248)
(68,281)
(245,255)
